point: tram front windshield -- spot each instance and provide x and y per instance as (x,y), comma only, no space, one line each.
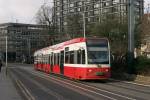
(98,52)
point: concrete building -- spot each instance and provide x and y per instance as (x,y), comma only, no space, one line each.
(94,10)
(23,40)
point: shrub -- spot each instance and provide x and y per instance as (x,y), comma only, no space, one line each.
(142,65)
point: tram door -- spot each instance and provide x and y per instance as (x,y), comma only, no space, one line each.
(62,62)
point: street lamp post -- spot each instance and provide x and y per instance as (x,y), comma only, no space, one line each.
(84,19)
(131,26)
(6,57)
(84,24)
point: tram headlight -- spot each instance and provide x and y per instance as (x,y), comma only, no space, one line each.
(90,70)
(106,70)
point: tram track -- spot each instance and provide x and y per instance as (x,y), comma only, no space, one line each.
(38,87)
(89,88)
(46,87)
(112,88)
(97,88)
(132,87)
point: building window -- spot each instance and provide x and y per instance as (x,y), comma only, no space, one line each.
(96,12)
(71,10)
(64,1)
(58,13)
(78,9)
(116,1)
(64,12)
(64,7)
(96,5)
(71,5)
(88,19)
(65,23)
(79,3)
(123,8)
(57,3)
(91,13)
(104,4)
(57,8)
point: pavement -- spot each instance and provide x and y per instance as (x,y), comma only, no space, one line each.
(7,88)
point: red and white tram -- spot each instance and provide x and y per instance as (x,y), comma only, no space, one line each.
(80,58)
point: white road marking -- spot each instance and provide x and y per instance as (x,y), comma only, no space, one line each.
(26,91)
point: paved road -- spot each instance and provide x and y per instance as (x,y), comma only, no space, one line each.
(40,86)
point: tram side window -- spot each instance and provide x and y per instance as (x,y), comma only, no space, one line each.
(46,59)
(35,59)
(49,59)
(62,57)
(55,58)
(81,56)
(67,57)
(58,57)
(42,61)
(39,60)
(71,57)
(75,57)
(52,61)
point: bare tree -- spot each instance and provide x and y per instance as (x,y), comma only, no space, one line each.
(73,28)
(44,17)
(145,30)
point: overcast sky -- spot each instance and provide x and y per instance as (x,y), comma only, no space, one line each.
(147,2)
(22,11)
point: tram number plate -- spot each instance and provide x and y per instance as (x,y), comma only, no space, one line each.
(99,73)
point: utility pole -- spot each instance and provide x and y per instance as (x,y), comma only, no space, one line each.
(131,27)
(84,24)
(6,57)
